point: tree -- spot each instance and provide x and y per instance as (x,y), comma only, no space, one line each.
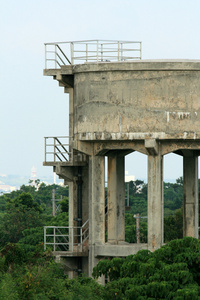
(37,276)
(64,204)
(171,272)
(21,213)
(26,201)
(173,226)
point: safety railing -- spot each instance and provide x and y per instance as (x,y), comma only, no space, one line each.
(85,231)
(77,52)
(58,149)
(70,239)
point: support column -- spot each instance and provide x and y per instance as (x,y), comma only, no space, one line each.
(72,210)
(155,202)
(72,202)
(71,120)
(85,198)
(96,207)
(116,200)
(70,91)
(190,196)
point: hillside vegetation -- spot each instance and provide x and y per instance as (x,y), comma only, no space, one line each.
(29,272)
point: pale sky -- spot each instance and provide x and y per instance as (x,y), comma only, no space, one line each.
(33,106)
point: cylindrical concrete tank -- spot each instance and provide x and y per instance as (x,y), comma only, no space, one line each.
(137,100)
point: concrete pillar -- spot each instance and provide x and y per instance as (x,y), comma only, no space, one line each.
(85,198)
(85,214)
(70,91)
(155,202)
(116,200)
(190,196)
(96,207)
(72,202)
(72,210)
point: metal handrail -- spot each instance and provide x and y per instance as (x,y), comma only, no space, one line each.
(58,240)
(58,149)
(57,54)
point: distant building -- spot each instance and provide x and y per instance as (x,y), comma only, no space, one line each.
(4,188)
(129,177)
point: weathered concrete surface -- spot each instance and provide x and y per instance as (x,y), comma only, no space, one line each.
(114,109)
(136,101)
(132,101)
(190,196)
(155,202)
(116,199)
(108,250)
(96,207)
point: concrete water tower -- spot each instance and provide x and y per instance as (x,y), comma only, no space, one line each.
(119,103)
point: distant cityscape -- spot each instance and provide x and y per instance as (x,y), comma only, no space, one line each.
(9,183)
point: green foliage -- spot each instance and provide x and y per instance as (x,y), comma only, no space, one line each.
(171,272)
(44,281)
(15,220)
(26,211)
(130,229)
(27,272)
(64,204)
(8,288)
(25,201)
(42,194)
(173,226)
(12,254)
(37,276)
(31,238)
(173,195)
(3,201)
(109,267)
(59,220)
(138,197)
(84,288)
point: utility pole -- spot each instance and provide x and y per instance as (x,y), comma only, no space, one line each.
(53,203)
(137,217)
(137,227)
(127,197)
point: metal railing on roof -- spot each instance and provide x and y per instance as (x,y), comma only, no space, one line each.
(57,149)
(96,51)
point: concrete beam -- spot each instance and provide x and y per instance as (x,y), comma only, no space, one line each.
(140,65)
(66,173)
(65,80)
(152,146)
(101,148)
(67,70)
(109,250)
(84,147)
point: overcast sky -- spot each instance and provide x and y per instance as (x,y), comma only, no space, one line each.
(33,106)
